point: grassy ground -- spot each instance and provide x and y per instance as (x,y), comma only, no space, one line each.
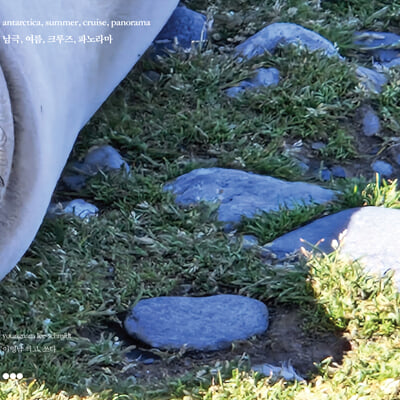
(79,277)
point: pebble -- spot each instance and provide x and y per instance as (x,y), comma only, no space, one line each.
(338,172)
(383,168)
(371,124)
(78,207)
(103,158)
(184,28)
(371,80)
(264,77)
(199,323)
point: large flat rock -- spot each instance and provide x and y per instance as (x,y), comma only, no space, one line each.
(200,323)
(243,193)
(373,237)
(284,33)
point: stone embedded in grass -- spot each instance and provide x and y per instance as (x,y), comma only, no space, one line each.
(372,238)
(264,77)
(380,45)
(371,80)
(371,124)
(338,171)
(383,168)
(389,64)
(243,193)
(103,158)
(78,207)
(184,28)
(199,323)
(326,174)
(283,33)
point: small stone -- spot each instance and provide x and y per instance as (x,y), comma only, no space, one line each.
(266,77)
(243,193)
(371,80)
(184,28)
(282,33)
(383,168)
(103,158)
(199,323)
(338,172)
(371,124)
(318,145)
(78,207)
(152,76)
(249,241)
(326,174)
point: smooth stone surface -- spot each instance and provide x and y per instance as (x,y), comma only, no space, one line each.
(383,168)
(243,193)
(264,77)
(378,44)
(283,33)
(78,207)
(103,158)
(318,145)
(372,238)
(371,80)
(325,174)
(371,124)
(338,172)
(390,64)
(249,241)
(183,28)
(199,323)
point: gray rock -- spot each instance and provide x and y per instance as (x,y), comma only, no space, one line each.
(103,158)
(371,80)
(397,158)
(390,64)
(338,172)
(371,124)
(282,33)
(380,45)
(249,241)
(78,207)
(243,193)
(184,28)
(318,145)
(383,168)
(372,238)
(325,174)
(264,77)
(199,323)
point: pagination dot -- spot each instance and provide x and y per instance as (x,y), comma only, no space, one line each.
(19,375)
(6,376)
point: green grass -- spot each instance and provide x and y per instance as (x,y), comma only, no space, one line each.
(79,277)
